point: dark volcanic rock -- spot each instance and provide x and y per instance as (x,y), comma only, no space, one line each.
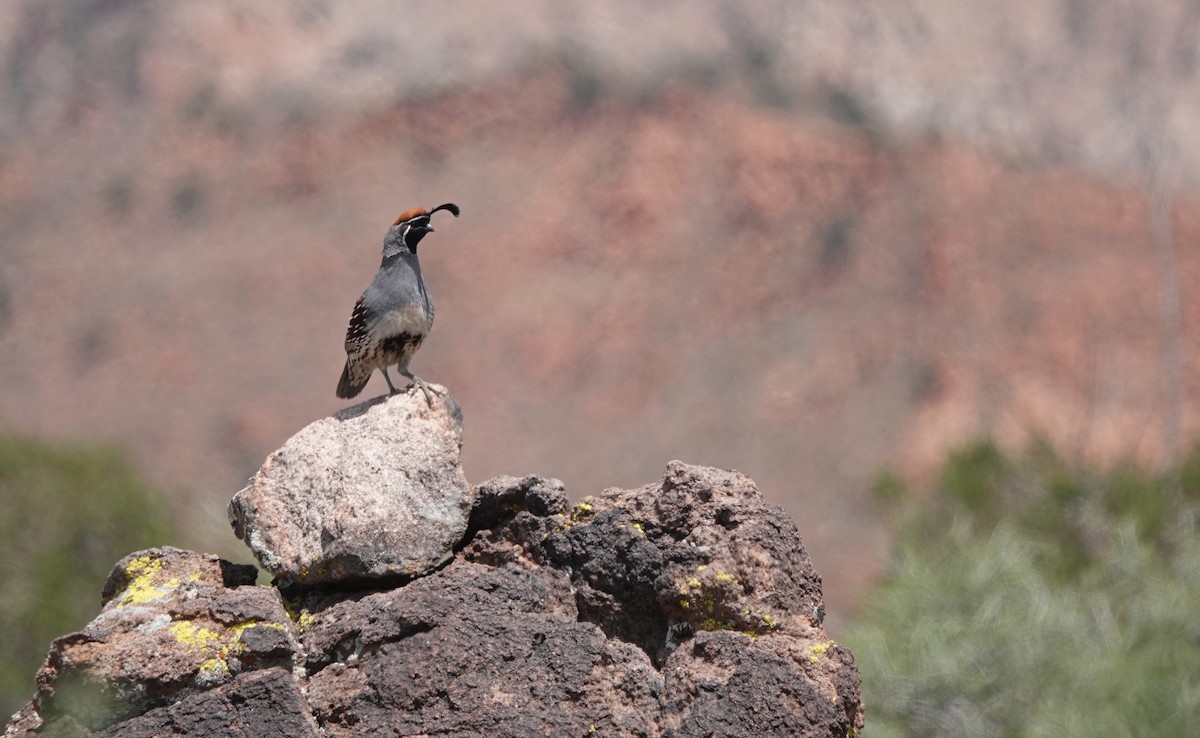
(687,607)
(348,627)
(264,704)
(477,650)
(699,551)
(729,684)
(615,568)
(511,518)
(714,584)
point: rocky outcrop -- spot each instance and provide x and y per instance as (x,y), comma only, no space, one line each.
(685,607)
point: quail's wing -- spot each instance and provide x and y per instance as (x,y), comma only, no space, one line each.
(360,325)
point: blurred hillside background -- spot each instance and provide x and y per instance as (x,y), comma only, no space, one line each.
(827,244)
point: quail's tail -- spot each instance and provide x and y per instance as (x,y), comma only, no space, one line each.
(347,388)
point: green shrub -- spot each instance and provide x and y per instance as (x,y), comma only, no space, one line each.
(70,513)
(1044,601)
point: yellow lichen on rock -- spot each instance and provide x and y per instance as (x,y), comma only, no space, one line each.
(713,624)
(817,650)
(215,647)
(194,637)
(581,510)
(141,588)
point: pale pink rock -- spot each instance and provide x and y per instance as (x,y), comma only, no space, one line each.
(376,490)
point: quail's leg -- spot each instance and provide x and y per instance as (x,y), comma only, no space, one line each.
(391,387)
(420,383)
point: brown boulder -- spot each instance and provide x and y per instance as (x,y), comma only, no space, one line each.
(174,623)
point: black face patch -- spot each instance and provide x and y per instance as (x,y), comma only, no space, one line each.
(415,232)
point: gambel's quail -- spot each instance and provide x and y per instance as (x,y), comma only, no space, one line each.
(394,315)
